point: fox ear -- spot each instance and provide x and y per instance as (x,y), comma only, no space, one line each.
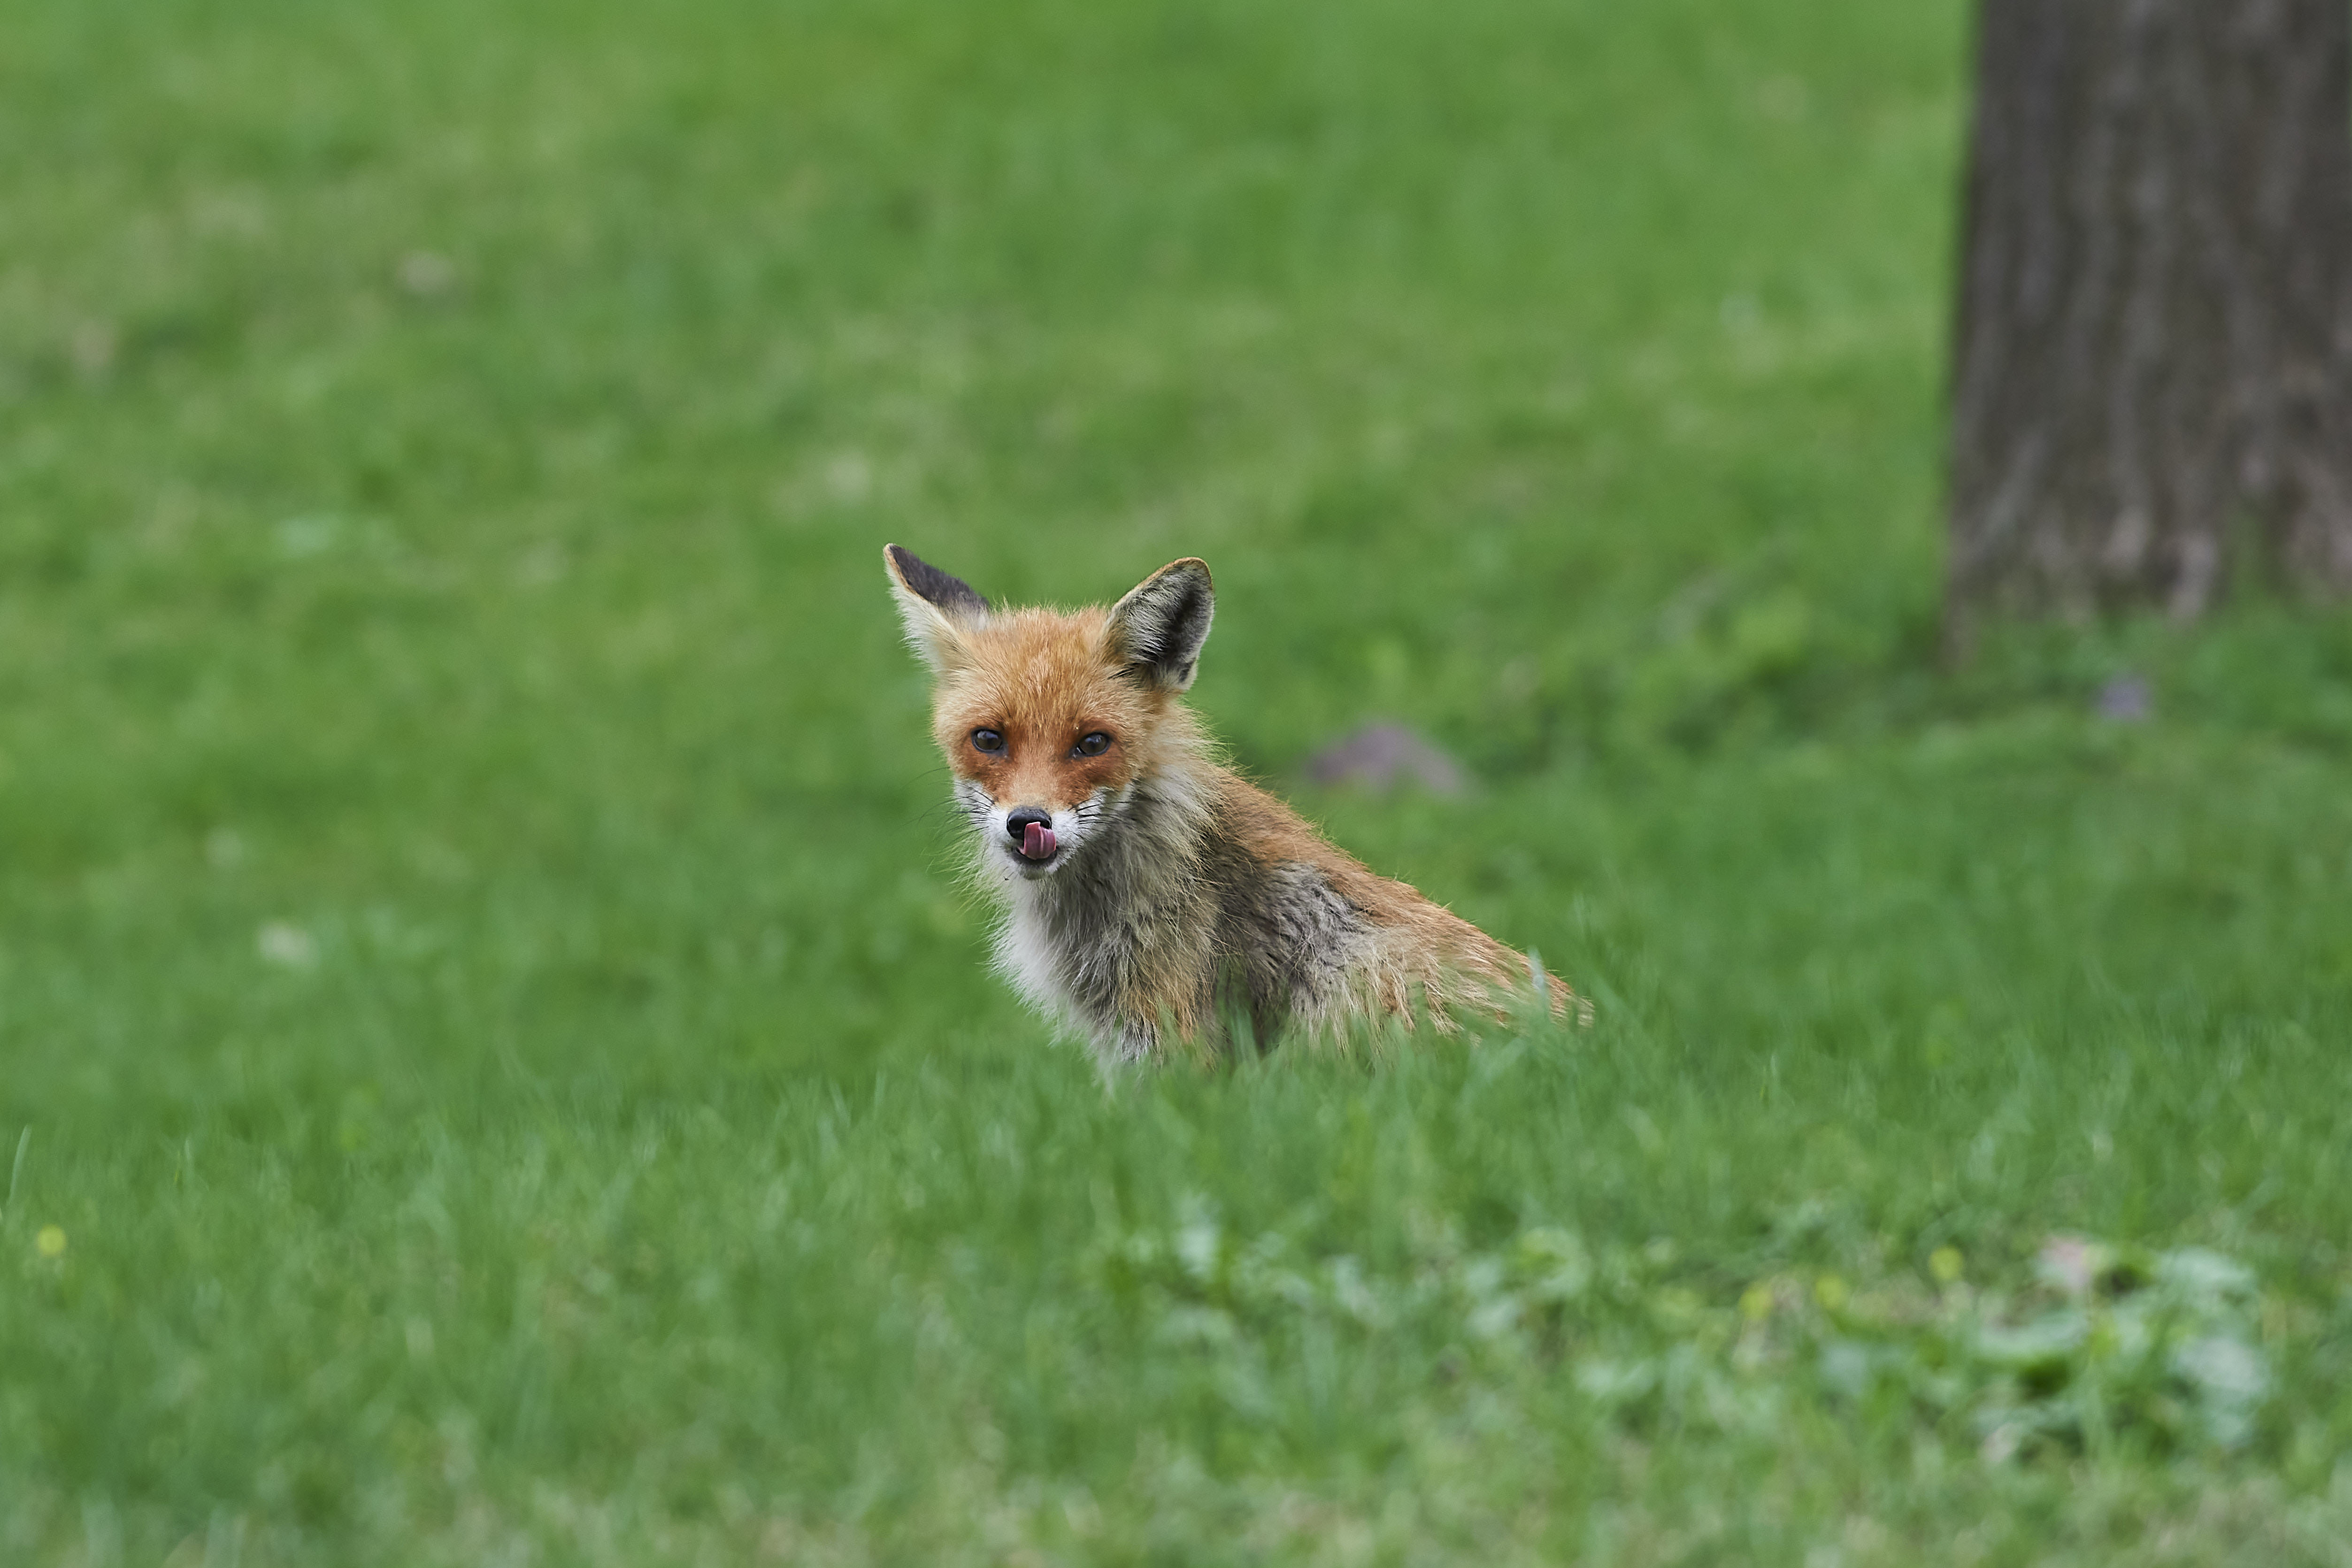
(937,608)
(1160,626)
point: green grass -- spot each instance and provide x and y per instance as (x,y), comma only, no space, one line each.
(484,993)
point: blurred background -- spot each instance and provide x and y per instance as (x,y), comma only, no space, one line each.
(454,736)
(447,453)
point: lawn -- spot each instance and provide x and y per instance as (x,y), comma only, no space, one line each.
(496,1064)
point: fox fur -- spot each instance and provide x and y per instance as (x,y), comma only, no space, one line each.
(1179,904)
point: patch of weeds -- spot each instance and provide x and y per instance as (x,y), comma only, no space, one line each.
(2103,1346)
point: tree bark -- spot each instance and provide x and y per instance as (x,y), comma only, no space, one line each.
(2154,343)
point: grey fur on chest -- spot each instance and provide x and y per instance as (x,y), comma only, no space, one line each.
(1232,940)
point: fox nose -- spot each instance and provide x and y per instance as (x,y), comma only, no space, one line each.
(1018,823)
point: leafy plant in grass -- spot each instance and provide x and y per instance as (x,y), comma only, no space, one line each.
(2118,1344)
(2103,1346)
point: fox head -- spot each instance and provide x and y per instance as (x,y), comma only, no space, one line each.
(1052,724)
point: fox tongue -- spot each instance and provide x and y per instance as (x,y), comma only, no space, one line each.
(1037,841)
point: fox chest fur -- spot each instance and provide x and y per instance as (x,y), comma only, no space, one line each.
(1152,899)
(1206,935)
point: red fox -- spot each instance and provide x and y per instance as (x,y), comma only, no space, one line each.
(1151,893)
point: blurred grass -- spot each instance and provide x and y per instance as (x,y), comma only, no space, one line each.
(481,959)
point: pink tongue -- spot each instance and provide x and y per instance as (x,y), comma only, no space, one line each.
(1037,841)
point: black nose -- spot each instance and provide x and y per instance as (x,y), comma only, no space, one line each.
(1016,823)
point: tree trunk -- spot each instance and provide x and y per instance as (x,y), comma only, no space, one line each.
(2155,326)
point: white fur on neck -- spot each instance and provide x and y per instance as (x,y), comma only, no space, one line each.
(1025,954)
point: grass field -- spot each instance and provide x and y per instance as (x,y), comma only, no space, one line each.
(494,1063)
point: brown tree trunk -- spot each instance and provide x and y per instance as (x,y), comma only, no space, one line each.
(2155,329)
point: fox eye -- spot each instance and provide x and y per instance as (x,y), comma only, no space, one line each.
(1094,745)
(989,740)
